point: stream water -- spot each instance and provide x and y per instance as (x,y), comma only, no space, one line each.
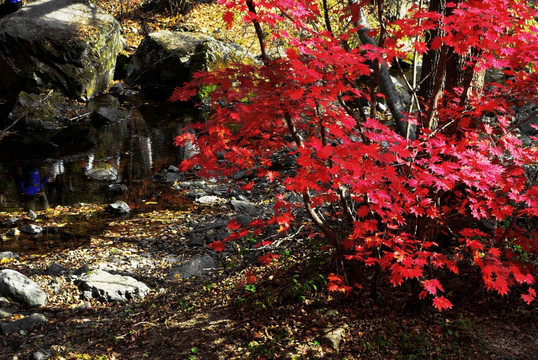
(135,148)
(39,171)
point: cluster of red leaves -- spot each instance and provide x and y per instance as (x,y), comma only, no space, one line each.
(385,192)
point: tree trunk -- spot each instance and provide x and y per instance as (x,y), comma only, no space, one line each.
(386,85)
(430,60)
(452,69)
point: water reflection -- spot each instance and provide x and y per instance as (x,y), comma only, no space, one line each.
(89,165)
(147,153)
(31,190)
(72,161)
(57,168)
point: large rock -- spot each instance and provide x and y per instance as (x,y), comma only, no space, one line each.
(197,266)
(17,287)
(167,59)
(104,286)
(55,269)
(69,44)
(105,116)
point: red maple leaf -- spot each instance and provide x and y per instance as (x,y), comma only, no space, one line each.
(431,286)
(217,245)
(228,18)
(233,225)
(441,303)
(530,296)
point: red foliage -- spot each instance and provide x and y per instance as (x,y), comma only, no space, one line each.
(267,258)
(389,199)
(217,246)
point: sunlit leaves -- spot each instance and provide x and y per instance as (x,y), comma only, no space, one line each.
(337,284)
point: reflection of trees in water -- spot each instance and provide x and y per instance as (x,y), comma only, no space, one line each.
(68,184)
(147,152)
(138,147)
(139,161)
(57,168)
(149,146)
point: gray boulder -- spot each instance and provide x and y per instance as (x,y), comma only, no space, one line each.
(69,44)
(166,59)
(104,116)
(118,208)
(104,100)
(40,355)
(17,287)
(105,109)
(242,206)
(173,169)
(243,219)
(31,229)
(107,287)
(24,324)
(173,177)
(117,188)
(4,313)
(199,265)
(84,269)
(8,255)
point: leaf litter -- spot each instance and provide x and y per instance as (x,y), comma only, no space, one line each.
(283,311)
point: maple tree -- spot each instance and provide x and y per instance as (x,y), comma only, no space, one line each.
(454,191)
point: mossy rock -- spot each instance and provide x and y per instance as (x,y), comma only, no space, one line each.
(62,44)
(167,59)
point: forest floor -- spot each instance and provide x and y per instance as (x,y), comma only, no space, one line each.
(287,313)
(244,309)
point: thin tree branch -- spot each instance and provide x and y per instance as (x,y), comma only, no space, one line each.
(27,112)
(259,31)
